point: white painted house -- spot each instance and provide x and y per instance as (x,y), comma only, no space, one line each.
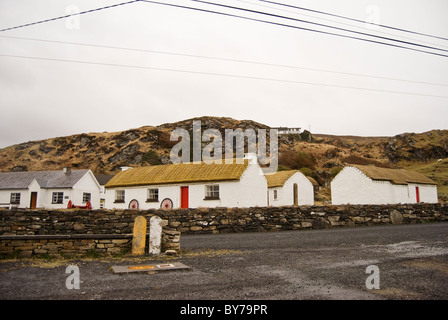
(102,180)
(188,185)
(288,188)
(287,130)
(49,189)
(356,184)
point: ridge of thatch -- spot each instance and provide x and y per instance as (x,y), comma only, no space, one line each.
(178,173)
(395,176)
(279,178)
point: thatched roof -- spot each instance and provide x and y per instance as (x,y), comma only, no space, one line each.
(395,176)
(178,173)
(279,178)
(313,182)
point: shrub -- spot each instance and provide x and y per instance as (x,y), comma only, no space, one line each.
(151,157)
(306,171)
(296,160)
(334,171)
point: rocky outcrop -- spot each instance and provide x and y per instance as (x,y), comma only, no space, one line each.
(417,147)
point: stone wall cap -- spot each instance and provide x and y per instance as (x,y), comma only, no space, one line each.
(64,236)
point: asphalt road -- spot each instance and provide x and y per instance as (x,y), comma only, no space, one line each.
(408,262)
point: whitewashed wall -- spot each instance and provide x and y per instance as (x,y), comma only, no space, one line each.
(89,184)
(5,197)
(285,194)
(45,196)
(250,190)
(352,186)
(428,193)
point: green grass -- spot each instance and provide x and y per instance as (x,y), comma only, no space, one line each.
(435,170)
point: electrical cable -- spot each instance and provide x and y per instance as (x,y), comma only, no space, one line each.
(68,15)
(366,25)
(223,59)
(253,19)
(294,27)
(318,24)
(352,19)
(221,74)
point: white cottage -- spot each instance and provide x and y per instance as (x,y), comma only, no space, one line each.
(287,188)
(356,184)
(49,189)
(188,185)
(102,180)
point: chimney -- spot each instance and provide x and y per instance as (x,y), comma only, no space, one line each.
(66,170)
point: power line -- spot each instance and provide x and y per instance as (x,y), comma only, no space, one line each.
(221,74)
(339,22)
(223,59)
(252,19)
(68,15)
(352,19)
(318,24)
(294,27)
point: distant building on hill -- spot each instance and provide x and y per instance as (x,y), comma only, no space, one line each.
(286,130)
(357,184)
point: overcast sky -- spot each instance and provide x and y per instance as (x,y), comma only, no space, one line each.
(182,65)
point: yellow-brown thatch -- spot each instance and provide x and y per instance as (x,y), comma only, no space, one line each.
(313,182)
(395,176)
(279,178)
(178,173)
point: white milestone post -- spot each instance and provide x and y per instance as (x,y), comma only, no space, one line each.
(155,235)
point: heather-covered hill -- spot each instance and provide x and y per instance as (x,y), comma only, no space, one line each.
(319,156)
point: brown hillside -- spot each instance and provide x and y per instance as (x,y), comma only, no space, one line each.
(320,156)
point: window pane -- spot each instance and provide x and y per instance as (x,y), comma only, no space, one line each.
(58,197)
(212,191)
(86,197)
(15,198)
(153,194)
(119,195)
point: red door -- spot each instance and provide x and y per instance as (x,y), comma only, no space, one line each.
(417,194)
(184,197)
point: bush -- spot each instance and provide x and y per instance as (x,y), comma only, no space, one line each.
(151,157)
(306,171)
(334,171)
(354,159)
(296,160)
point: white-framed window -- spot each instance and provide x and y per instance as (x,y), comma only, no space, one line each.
(153,195)
(275,194)
(58,197)
(212,192)
(15,198)
(86,197)
(119,195)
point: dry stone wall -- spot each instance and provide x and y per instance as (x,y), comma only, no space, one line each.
(114,224)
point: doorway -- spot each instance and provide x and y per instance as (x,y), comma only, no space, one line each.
(33,201)
(296,194)
(417,194)
(184,197)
